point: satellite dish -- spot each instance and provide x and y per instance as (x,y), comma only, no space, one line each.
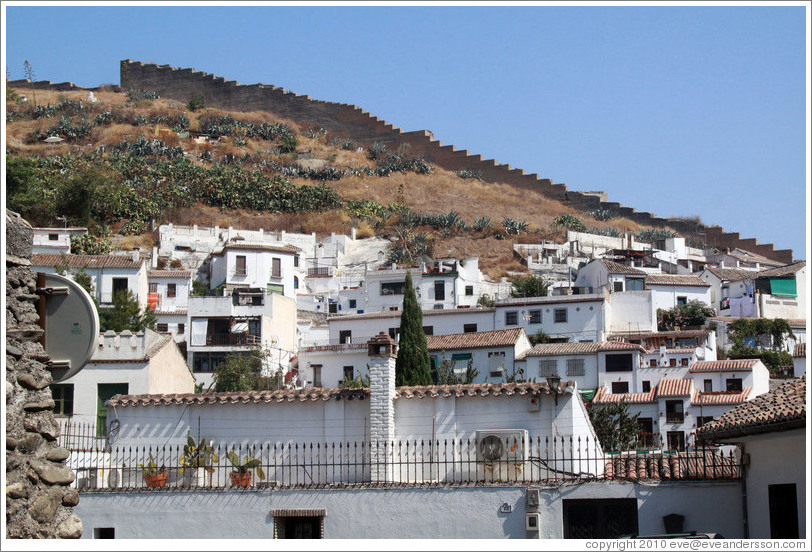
(71,325)
(700,352)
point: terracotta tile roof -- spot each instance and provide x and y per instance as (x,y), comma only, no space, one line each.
(474,340)
(288,249)
(555,299)
(674,387)
(396,314)
(732,274)
(793,322)
(618,268)
(603,396)
(572,348)
(477,390)
(169,274)
(799,351)
(648,335)
(311,394)
(675,280)
(720,397)
(731,365)
(780,409)
(172,311)
(85,261)
(782,270)
(749,256)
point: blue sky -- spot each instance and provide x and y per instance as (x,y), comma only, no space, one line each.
(679,110)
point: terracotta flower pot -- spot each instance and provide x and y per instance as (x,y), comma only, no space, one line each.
(156,480)
(240,479)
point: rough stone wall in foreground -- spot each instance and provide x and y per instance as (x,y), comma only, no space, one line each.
(39,499)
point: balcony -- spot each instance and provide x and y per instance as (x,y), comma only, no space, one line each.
(232,340)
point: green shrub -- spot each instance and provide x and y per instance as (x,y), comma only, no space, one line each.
(198,101)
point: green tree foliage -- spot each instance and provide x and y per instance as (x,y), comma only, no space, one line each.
(243,372)
(447,376)
(412,366)
(761,338)
(196,102)
(529,286)
(692,313)
(615,427)
(485,300)
(126,314)
(539,337)
(570,222)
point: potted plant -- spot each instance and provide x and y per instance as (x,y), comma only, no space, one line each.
(197,459)
(153,475)
(241,476)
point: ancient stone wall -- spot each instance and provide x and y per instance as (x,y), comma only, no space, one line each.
(342,119)
(39,499)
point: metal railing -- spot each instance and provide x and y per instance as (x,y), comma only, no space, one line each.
(232,339)
(391,463)
(80,436)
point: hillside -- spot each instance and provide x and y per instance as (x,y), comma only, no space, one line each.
(136,160)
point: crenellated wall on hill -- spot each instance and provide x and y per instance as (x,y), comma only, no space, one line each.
(342,119)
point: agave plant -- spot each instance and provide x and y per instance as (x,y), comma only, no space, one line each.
(514,227)
(198,455)
(482,223)
(242,465)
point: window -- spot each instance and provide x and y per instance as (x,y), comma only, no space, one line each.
(349,373)
(345,336)
(181,328)
(548,368)
(119,285)
(296,261)
(394,333)
(702,420)
(53,237)
(673,412)
(534,317)
(783,503)
(634,284)
(276,268)
(275,288)
(316,375)
(240,270)
(106,391)
(708,386)
(606,518)
(652,363)
(469,290)
(575,367)
(683,362)
(619,387)
(511,318)
(676,440)
(460,362)
(153,288)
(439,290)
(288,525)
(62,394)
(672,362)
(560,315)
(469,328)
(207,362)
(428,330)
(393,288)
(733,384)
(619,363)
(645,437)
(332,308)
(617,286)
(171,290)
(682,300)
(295,282)
(353,303)
(104,532)
(646,386)
(163,327)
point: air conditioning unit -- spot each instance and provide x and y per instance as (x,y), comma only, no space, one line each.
(494,445)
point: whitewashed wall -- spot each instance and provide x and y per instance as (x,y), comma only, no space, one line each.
(665,296)
(631,311)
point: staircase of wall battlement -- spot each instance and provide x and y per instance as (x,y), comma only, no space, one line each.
(348,120)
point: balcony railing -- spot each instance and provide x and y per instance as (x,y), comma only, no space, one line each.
(232,339)
(395,463)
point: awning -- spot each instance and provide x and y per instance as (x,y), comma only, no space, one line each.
(587,394)
(239,327)
(783,287)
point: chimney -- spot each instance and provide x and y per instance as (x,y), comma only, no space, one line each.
(136,255)
(382,351)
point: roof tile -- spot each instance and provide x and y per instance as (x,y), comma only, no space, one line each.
(473,340)
(674,387)
(85,261)
(619,268)
(730,365)
(675,280)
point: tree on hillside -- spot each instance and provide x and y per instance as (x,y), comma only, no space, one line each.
(412,366)
(530,286)
(126,314)
(615,428)
(762,338)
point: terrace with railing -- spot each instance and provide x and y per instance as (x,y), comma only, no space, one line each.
(396,463)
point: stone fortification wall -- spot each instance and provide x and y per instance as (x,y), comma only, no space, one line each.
(350,120)
(39,501)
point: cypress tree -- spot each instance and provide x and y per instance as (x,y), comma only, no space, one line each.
(412,366)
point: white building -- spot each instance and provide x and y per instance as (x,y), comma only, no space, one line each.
(732,290)
(123,363)
(108,274)
(772,431)
(168,296)
(561,317)
(609,275)
(670,290)
(244,265)
(238,323)
(782,292)
(799,360)
(55,240)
